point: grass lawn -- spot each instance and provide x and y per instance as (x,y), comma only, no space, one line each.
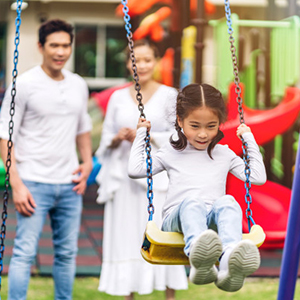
(41,288)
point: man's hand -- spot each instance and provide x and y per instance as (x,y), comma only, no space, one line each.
(23,200)
(82,174)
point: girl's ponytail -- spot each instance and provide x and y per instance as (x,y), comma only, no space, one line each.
(181,143)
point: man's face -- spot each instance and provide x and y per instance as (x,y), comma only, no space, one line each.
(56,51)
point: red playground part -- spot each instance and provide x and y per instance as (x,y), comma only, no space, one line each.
(151,25)
(102,98)
(137,7)
(271,201)
(270,208)
(265,124)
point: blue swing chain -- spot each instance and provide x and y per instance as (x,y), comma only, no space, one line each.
(141,109)
(9,142)
(248,198)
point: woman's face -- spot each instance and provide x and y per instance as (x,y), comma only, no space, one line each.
(145,62)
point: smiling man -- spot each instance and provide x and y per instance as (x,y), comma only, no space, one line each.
(50,123)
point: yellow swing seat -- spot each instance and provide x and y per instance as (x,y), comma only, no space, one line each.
(166,248)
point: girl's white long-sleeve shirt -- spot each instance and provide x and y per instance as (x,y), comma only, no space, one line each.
(192,173)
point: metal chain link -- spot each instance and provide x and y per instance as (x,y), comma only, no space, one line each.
(9,142)
(248,198)
(141,109)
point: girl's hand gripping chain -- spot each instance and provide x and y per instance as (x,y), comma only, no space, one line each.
(242,129)
(144,123)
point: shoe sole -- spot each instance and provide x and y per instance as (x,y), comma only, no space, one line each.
(243,261)
(205,253)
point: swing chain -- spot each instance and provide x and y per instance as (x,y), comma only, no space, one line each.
(246,159)
(9,142)
(141,109)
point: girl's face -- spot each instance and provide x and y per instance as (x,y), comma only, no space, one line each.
(145,62)
(200,127)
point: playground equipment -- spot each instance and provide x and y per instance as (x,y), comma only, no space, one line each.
(270,202)
(265,124)
(163,72)
(151,25)
(284,50)
(188,56)
(137,7)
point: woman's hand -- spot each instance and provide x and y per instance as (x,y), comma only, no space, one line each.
(124,134)
(242,129)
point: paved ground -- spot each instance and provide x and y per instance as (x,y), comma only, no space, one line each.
(90,244)
(90,239)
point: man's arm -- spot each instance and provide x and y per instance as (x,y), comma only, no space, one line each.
(22,198)
(84,146)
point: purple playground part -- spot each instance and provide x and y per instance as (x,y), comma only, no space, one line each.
(291,250)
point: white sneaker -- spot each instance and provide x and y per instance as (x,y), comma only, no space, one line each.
(243,261)
(205,252)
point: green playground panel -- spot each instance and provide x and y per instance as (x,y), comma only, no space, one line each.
(285,60)
(248,77)
(224,68)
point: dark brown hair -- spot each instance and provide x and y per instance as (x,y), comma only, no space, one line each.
(55,25)
(143,42)
(191,98)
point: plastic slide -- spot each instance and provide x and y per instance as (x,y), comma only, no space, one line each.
(270,208)
(265,124)
(271,201)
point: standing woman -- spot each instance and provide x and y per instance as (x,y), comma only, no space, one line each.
(125,215)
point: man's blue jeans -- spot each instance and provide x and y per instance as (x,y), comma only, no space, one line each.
(64,207)
(192,218)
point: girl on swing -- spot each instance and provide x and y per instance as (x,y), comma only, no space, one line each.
(196,201)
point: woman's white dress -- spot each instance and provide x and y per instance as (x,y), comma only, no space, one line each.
(125,214)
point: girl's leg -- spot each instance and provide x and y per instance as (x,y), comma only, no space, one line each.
(226,214)
(201,245)
(188,218)
(239,258)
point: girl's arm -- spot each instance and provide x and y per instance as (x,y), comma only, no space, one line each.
(257,168)
(137,166)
